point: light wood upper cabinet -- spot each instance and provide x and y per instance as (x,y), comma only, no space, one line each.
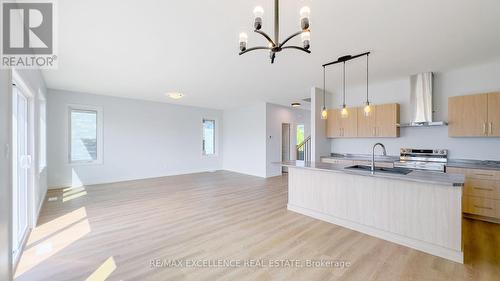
(382,122)
(333,124)
(336,126)
(494,114)
(474,115)
(387,120)
(350,123)
(366,124)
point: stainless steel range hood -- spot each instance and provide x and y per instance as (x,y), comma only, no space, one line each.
(421,101)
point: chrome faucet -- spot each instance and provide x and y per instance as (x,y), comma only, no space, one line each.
(373,155)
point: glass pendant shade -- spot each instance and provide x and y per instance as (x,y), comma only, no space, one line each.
(367,109)
(324,113)
(344,113)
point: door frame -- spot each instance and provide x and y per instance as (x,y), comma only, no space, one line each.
(31,188)
(289,128)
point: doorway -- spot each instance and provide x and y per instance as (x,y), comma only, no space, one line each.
(21,163)
(285,144)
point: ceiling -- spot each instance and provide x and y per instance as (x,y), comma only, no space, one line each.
(143,49)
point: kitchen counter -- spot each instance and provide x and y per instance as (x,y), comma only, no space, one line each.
(456,180)
(474,164)
(456,163)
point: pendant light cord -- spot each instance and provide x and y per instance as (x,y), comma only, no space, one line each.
(324,87)
(367,100)
(343,73)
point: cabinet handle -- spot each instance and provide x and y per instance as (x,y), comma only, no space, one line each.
(491,128)
(482,188)
(482,207)
(484,129)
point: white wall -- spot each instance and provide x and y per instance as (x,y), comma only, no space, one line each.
(320,144)
(463,81)
(244,141)
(276,115)
(141,140)
(5,178)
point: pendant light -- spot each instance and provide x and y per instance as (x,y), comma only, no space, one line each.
(344,113)
(324,112)
(367,109)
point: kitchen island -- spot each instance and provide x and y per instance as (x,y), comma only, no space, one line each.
(420,210)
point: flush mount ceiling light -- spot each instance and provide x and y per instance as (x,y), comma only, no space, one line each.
(175,95)
(275,46)
(295,104)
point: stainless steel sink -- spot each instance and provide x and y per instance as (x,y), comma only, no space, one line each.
(399,171)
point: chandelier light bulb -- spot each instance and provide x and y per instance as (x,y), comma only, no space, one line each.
(258,12)
(344,113)
(243,41)
(305,13)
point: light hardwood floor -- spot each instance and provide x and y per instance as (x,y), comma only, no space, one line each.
(120,228)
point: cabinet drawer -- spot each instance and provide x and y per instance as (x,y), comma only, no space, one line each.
(476,173)
(481,206)
(482,188)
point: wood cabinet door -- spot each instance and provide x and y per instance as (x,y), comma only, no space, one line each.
(468,116)
(386,120)
(494,114)
(350,124)
(366,124)
(333,124)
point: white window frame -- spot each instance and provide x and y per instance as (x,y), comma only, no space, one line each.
(99,133)
(42,132)
(216,137)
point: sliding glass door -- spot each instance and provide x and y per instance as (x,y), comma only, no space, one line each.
(21,165)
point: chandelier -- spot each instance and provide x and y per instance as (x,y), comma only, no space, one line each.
(275,46)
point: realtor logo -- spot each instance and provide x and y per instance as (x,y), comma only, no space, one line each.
(28,34)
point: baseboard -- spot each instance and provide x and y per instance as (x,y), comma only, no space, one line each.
(62,186)
(449,254)
(40,208)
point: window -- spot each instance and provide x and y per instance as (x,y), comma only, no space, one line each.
(208,137)
(85,135)
(300,133)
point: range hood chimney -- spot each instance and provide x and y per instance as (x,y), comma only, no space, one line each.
(421,101)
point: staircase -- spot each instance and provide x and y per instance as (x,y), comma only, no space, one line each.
(304,150)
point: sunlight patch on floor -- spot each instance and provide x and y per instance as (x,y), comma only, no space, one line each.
(51,245)
(72,193)
(104,271)
(47,229)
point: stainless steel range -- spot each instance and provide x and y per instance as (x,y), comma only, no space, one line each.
(423,159)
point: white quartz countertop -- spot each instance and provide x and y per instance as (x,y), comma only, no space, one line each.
(448,179)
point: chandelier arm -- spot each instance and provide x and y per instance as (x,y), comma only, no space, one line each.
(290,37)
(266,36)
(253,49)
(296,47)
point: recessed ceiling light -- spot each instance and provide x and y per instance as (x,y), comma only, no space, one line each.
(295,104)
(175,95)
